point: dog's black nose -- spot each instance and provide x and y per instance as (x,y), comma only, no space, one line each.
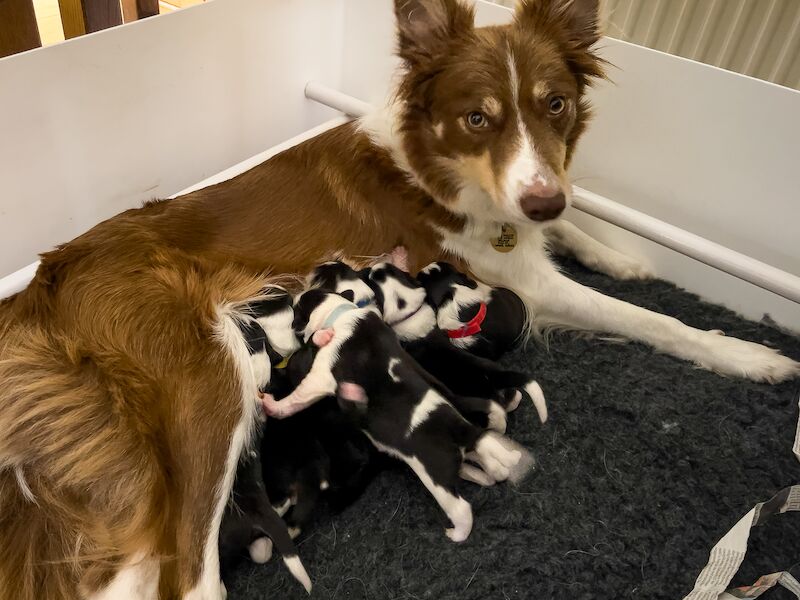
(543,208)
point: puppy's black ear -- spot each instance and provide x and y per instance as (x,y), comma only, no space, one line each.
(425,27)
(348,295)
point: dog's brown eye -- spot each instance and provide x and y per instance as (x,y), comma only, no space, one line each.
(556,104)
(477,120)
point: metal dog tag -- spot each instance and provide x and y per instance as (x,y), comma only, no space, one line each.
(507,240)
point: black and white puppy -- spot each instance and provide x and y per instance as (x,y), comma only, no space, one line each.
(340,278)
(391,397)
(318,452)
(248,518)
(403,303)
(267,331)
(486,321)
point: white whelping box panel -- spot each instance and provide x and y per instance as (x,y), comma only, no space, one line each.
(103,122)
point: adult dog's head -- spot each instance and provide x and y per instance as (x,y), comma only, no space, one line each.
(490,116)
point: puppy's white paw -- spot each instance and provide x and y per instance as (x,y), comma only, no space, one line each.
(475,475)
(501,458)
(260,550)
(461,516)
(497,418)
(732,356)
(223,591)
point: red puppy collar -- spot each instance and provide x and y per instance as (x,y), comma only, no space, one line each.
(470,328)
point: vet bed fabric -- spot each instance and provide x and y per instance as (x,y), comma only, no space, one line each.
(645,463)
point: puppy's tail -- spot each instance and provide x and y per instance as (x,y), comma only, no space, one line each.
(276,529)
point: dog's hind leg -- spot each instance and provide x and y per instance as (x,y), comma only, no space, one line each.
(455,507)
(558,301)
(210,455)
(566,239)
(442,461)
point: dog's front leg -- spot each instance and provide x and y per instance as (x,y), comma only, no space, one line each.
(560,302)
(565,239)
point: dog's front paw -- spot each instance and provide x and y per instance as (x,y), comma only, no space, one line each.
(620,266)
(740,358)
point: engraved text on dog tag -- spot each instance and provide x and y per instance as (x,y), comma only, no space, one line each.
(507,239)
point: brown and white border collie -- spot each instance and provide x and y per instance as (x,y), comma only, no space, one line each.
(127,394)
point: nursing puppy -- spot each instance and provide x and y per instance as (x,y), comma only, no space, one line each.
(391,397)
(340,278)
(486,321)
(316,453)
(402,300)
(248,518)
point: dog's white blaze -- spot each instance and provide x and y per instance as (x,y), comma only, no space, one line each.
(392,366)
(429,403)
(456,508)
(136,581)
(393,292)
(278,328)
(526,166)
(229,336)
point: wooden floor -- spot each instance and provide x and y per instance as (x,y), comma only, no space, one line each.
(49,17)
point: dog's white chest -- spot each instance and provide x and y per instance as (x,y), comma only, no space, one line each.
(522,269)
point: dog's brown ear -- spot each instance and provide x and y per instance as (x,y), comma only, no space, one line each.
(425,27)
(580,19)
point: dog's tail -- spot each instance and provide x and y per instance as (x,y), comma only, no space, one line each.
(276,529)
(64,449)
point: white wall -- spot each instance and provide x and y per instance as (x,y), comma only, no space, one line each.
(102,122)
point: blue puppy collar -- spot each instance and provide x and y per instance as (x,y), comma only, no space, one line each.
(336,313)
